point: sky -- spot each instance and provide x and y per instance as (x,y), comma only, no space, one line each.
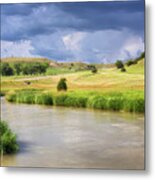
(93,32)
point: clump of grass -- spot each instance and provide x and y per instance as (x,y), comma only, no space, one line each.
(97,102)
(2,93)
(30,96)
(134,105)
(8,142)
(11,97)
(60,99)
(45,99)
(76,101)
(115,103)
(25,97)
(70,100)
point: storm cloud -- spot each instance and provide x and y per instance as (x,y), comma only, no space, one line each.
(81,31)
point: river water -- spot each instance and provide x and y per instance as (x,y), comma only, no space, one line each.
(74,138)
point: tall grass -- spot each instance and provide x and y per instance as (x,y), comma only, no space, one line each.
(2,93)
(30,96)
(8,142)
(126,101)
(70,100)
(43,98)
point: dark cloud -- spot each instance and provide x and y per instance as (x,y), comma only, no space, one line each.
(18,9)
(25,20)
(45,25)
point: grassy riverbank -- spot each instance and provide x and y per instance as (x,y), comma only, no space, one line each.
(8,142)
(116,101)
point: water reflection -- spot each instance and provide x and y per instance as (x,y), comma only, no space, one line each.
(80,138)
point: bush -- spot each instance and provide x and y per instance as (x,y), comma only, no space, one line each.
(130,62)
(8,142)
(123,69)
(6,69)
(92,68)
(62,86)
(119,64)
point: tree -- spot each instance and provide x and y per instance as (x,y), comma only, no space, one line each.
(6,70)
(92,68)
(119,64)
(130,62)
(17,68)
(62,85)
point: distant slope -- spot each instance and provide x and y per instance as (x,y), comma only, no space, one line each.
(136,68)
(24,59)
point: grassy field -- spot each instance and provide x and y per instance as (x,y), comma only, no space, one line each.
(106,79)
(127,85)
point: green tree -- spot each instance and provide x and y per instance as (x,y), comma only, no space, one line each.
(119,64)
(62,85)
(17,68)
(6,69)
(94,69)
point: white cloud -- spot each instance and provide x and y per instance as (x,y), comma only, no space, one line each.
(133,46)
(105,46)
(16,49)
(73,41)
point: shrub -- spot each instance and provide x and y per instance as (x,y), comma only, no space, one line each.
(119,64)
(8,142)
(17,68)
(130,62)
(6,69)
(62,86)
(123,69)
(92,68)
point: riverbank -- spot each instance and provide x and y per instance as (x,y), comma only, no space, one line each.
(116,101)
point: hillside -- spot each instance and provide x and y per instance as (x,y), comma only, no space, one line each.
(136,68)
(106,79)
(24,59)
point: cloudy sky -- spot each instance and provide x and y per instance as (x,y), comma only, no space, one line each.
(81,31)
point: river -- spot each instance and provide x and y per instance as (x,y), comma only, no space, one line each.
(73,137)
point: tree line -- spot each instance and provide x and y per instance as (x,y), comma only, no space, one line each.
(23,68)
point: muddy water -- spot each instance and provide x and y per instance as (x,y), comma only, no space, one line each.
(76,138)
